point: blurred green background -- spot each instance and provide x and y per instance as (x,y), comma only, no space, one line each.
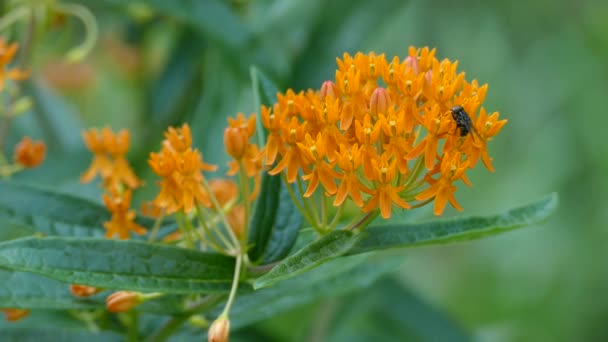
(547,66)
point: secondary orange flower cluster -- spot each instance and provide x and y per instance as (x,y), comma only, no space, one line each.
(370,134)
(118,179)
(180,167)
(7,53)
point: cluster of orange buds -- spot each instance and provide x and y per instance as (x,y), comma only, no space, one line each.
(370,134)
(118,179)
(180,167)
(7,53)
(29,153)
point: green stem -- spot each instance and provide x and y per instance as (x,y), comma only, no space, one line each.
(181,224)
(324,210)
(295,199)
(155,228)
(312,212)
(220,210)
(212,238)
(245,192)
(366,220)
(336,218)
(235,285)
(133,326)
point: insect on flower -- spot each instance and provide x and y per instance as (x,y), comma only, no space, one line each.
(463,122)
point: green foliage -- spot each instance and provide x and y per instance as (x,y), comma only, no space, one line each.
(275,222)
(458,229)
(129,265)
(328,247)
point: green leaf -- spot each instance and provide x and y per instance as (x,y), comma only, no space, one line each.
(318,252)
(275,222)
(390,311)
(458,229)
(54,213)
(175,83)
(264,89)
(336,277)
(10,229)
(127,265)
(32,291)
(213,18)
(20,335)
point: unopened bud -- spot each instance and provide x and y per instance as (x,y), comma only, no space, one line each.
(220,330)
(413,63)
(235,140)
(13,315)
(379,102)
(330,89)
(84,290)
(123,301)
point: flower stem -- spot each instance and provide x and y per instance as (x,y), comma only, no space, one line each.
(336,218)
(235,285)
(246,203)
(366,220)
(295,199)
(212,238)
(312,212)
(220,210)
(181,224)
(133,326)
(155,228)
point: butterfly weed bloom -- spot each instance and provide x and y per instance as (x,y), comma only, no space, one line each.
(109,159)
(122,221)
(381,134)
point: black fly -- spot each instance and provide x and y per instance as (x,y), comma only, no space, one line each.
(463,122)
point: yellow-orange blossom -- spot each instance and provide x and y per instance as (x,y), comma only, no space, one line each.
(381,132)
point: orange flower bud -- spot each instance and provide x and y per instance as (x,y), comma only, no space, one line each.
(123,301)
(413,63)
(13,315)
(235,140)
(236,218)
(330,89)
(220,330)
(84,290)
(379,102)
(29,153)
(224,190)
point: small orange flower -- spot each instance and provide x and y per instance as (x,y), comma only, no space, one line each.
(452,169)
(7,53)
(121,222)
(84,290)
(29,153)
(385,193)
(109,161)
(180,166)
(13,315)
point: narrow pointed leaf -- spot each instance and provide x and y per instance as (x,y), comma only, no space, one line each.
(445,231)
(127,265)
(336,277)
(32,291)
(318,252)
(54,213)
(275,223)
(10,229)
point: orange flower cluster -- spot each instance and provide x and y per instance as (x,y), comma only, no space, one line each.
(7,53)
(29,153)
(370,134)
(118,179)
(180,167)
(109,161)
